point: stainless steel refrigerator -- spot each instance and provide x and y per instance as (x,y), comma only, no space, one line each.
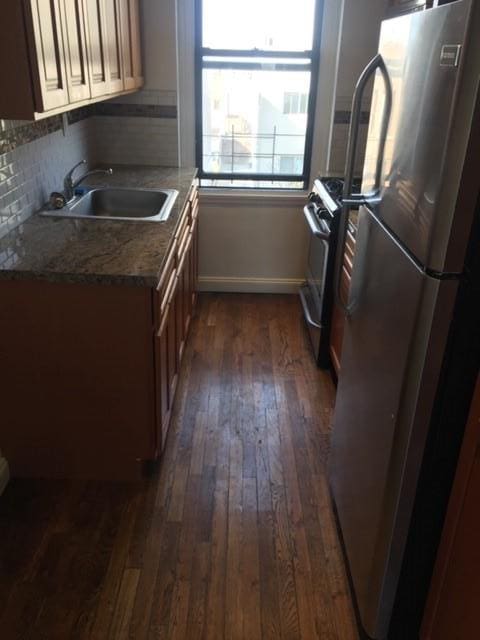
(410,350)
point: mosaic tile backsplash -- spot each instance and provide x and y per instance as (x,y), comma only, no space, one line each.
(141,128)
(31,171)
(34,156)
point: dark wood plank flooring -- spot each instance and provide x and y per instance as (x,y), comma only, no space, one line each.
(233,537)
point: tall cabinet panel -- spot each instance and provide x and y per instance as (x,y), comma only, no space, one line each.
(113,46)
(50,84)
(97,48)
(130,24)
(75,50)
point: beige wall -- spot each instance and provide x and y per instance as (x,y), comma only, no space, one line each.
(159,44)
(359,41)
(257,245)
(360,30)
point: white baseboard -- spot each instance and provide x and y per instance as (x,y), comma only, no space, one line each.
(249,285)
(4,474)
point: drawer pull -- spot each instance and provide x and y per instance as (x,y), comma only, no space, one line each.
(168,266)
(171,283)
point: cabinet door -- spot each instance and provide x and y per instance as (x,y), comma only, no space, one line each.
(97,47)
(74,36)
(452,606)
(188,283)
(130,30)
(113,43)
(162,382)
(173,341)
(181,311)
(50,84)
(194,260)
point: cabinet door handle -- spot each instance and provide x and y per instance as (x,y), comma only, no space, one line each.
(167,268)
(184,256)
(171,283)
(173,291)
(163,322)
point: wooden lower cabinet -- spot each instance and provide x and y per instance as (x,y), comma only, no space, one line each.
(452,606)
(90,371)
(338,316)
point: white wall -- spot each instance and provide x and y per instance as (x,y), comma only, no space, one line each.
(327,80)
(252,244)
(360,30)
(158,22)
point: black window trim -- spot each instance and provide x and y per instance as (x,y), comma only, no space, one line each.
(313,66)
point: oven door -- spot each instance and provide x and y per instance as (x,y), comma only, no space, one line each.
(317,256)
(312,294)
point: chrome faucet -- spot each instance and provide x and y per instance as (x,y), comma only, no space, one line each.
(69,184)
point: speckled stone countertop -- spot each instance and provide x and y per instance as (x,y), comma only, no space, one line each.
(98,251)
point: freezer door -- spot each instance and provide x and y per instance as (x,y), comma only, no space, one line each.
(423,53)
(392,353)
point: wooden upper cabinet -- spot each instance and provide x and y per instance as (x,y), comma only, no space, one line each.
(50,83)
(97,47)
(132,61)
(113,41)
(74,35)
(66,53)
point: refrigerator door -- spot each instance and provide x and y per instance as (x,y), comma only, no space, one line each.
(392,353)
(424,55)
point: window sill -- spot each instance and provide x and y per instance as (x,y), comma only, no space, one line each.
(261,197)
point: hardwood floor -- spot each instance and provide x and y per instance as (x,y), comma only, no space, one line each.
(233,537)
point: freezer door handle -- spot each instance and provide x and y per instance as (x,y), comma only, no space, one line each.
(350,199)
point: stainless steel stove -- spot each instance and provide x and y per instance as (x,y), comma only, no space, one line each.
(322,215)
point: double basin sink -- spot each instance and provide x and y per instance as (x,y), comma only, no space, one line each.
(117,203)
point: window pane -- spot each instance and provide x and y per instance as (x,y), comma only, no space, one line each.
(251,184)
(250,124)
(277,25)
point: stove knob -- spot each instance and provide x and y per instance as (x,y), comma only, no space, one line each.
(314,197)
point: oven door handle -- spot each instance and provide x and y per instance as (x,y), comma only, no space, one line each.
(320,228)
(306,312)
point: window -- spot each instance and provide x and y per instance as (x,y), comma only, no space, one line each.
(256,75)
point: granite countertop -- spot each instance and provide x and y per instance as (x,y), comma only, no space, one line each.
(98,251)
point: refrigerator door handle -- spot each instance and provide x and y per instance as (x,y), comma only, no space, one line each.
(349,199)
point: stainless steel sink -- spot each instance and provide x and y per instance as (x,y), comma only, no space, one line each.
(118,203)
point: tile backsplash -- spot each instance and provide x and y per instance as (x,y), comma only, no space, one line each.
(138,129)
(34,156)
(32,170)
(339,137)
